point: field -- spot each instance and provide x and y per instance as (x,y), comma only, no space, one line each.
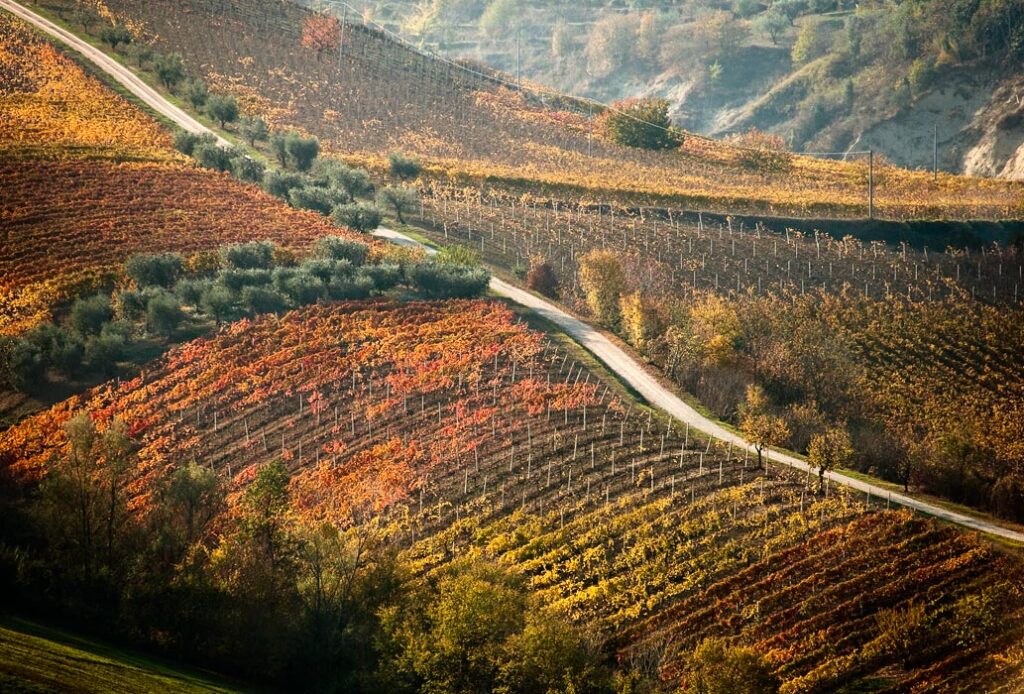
(460,432)
(72,209)
(38,660)
(927,342)
(53,109)
(365,95)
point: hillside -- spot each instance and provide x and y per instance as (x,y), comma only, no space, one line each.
(377,95)
(456,432)
(823,75)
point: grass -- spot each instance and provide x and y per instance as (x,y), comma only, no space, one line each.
(36,659)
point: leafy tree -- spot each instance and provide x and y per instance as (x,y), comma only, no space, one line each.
(772,24)
(549,655)
(115,35)
(717,668)
(281,183)
(746,8)
(258,300)
(89,315)
(169,69)
(338,248)
(212,156)
(251,255)
(189,499)
(313,198)
(383,276)
(404,167)
(196,92)
(301,151)
(247,169)
(154,270)
(640,321)
(279,146)
(163,313)
(186,142)
(603,282)
(353,180)
(26,364)
(103,351)
(142,54)
(790,9)
(129,305)
(762,428)
(223,109)
(829,451)
(397,198)
(304,288)
(217,302)
(357,216)
(253,129)
(499,16)
(642,123)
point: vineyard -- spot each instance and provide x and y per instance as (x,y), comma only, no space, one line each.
(53,109)
(364,94)
(68,226)
(462,432)
(928,342)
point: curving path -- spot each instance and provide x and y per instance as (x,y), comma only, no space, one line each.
(614,357)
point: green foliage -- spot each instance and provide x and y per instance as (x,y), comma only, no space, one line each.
(186,142)
(300,151)
(154,270)
(258,300)
(437,281)
(315,199)
(218,302)
(115,36)
(920,76)
(303,288)
(357,216)
(212,156)
(772,24)
(169,69)
(248,169)
(103,351)
(163,313)
(339,248)
(279,146)
(499,16)
(383,276)
(353,180)
(717,668)
(248,256)
(254,129)
(281,183)
(457,255)
(223,109)
(603,282)
(746,8)
(812,41)
(404,167)
(642,123)
(89,315)
(235,279)
(129,305)
(196,93)
(399,199)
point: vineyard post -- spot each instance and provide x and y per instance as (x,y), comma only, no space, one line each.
(871,184)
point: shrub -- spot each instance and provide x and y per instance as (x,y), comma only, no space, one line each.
(154,270)
(248,169)
(398,198)
(223,109)
(235,280)
(89,315)
(217,302)
(26,365)
(65,351)
(186,142)
(457,255)
(920,75)
(212,156)
(163,313)
(341,249)
(326,268)
(303,288)
(115,35)
(383,277)
(280,183)
(129,305)
(542,279)
(642,123)
(717,668)
(357,216)
(102,352)
(437,281)
(251,255)
(404,167)
(311,198)
(358,287)
(603,282)
(281,277)
(257,300)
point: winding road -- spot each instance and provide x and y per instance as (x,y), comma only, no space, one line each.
(614,357)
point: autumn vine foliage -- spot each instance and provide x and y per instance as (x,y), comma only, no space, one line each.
(321,33)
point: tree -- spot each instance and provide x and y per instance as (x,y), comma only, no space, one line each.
(158,269)
(169,69)
(249,256)
(212,156)
(223,109)
(438,281)
(186,142)
(404,167)
(401,199)
(642,123)
(603,282)
(258,300)
(247,169)
(611,44)
(828,451)
(103,351)
(338,248)
(772,23)
(301,151)
(357,216)
(321,33)
(253,129)
(499,16)
(279,146)
(196,93)
(354,181)
(717,668)
(640,320)
(217,302)
(115,35)
(89,315)
(190,498)
(762,428)
(163,313)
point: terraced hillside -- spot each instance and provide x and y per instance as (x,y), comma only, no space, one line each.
(459,432)
(363,94)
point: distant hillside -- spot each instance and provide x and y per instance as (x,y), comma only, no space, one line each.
(823,74)
(364,94)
